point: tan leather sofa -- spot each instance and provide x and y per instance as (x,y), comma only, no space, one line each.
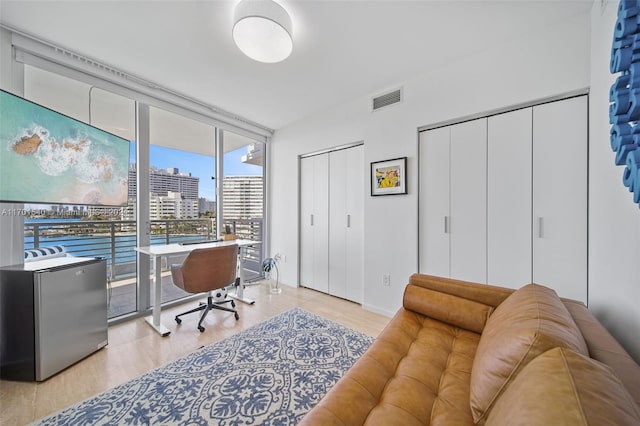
(460,353)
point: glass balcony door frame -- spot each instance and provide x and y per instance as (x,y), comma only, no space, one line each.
(143,219)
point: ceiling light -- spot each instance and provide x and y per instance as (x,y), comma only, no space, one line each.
(262,30)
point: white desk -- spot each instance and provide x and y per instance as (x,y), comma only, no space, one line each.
(156,252)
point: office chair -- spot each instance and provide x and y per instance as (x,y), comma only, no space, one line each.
(206,270)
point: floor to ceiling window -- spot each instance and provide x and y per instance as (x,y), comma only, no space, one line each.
(243,195)
(86,230)
(181,185)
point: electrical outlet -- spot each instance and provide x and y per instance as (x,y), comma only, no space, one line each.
(386,280)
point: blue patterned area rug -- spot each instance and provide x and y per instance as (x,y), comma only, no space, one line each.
(270,374)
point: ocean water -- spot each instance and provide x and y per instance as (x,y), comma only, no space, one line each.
(74,164)
(98,245)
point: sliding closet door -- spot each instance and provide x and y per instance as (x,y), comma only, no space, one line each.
(509,195)
(314,222)
(468,224)
(338,223)
(560,196)
(355,224)
(434,202)
(346,223)
(307,244)
(453,201)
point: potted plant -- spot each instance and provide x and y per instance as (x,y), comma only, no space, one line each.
(268,265)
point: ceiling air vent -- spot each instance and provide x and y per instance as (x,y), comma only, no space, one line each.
(387,99)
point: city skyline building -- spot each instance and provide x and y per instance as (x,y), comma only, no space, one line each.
(172,205)
(206,206)
(243,197)
(163,181)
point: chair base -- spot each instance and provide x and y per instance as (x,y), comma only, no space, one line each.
(206,307)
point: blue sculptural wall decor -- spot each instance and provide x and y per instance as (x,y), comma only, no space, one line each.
(624,97)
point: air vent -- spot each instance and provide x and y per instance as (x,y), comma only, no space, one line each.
(387,99)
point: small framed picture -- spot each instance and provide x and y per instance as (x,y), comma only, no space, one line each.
(389,177)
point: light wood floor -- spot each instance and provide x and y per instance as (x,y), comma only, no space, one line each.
(135,348)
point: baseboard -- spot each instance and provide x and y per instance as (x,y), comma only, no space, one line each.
(378,310)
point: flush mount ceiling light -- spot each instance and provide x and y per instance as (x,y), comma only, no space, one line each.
(262,30)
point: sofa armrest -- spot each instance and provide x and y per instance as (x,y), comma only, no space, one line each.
(461,304)
(605,348)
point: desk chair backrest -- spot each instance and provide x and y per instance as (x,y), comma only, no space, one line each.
(207,269)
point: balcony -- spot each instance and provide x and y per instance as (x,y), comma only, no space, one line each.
(116,242)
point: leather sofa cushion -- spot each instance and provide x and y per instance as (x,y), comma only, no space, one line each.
(529,322)
(416,372)
(450,309)
(572,388)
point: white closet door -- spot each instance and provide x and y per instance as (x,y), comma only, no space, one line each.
(306,211)
(509,199)
(560,196)
(468,225)
(434,202)
(355,223)
(314,218)
(346,224)
(338,223)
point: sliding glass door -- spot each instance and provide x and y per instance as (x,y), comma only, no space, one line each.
(181,185)
(243,195)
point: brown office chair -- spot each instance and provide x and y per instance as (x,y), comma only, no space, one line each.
(206,270)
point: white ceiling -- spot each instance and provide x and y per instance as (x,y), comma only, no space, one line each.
(342,49)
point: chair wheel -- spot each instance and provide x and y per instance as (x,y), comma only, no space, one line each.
(233,304)
(237,316)
(201,328)
(178,320)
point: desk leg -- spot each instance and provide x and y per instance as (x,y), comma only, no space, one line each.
(239,294)
(154,320)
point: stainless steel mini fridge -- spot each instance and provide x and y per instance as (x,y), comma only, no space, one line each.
(53,313)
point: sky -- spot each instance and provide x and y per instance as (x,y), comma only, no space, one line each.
(200,166)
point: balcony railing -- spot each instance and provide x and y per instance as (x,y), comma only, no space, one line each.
(250,229)
(116,240)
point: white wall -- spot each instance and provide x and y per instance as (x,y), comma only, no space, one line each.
(524,68)
(614,220)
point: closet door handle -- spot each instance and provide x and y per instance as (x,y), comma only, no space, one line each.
(348,221)
(446,224)
(311,220)
(540,227)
